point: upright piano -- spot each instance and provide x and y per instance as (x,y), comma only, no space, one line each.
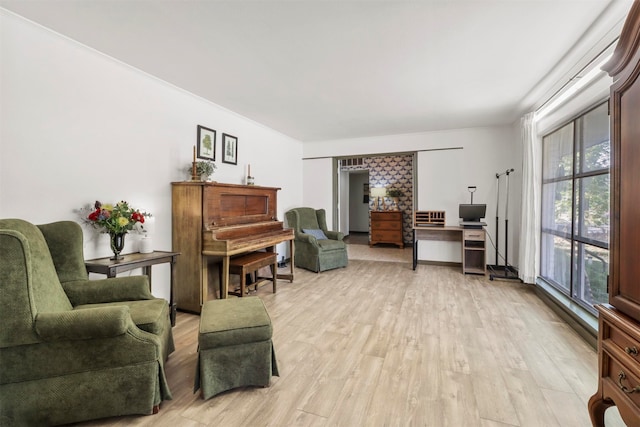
(211,222)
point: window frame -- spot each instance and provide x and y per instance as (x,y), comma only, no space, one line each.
(575,179)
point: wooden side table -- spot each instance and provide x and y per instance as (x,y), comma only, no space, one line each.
(137,260)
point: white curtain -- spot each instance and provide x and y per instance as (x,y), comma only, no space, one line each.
(531,187)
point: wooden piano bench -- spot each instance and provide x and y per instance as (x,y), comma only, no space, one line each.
(249,264)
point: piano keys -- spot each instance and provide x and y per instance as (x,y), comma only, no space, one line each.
(211,222)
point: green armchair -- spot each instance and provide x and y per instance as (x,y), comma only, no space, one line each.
(316,251)
(72,349)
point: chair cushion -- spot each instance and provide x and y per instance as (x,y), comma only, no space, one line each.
(233,321)
(331,245)
(148,315)
(317,233)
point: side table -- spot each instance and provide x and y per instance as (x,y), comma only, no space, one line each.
(137,260)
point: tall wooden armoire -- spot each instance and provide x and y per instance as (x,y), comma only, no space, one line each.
(619,321)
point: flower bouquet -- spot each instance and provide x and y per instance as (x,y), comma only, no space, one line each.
(117,220)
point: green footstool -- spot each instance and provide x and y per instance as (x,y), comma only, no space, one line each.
(234,346)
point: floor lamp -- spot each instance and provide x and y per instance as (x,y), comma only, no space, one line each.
(506,272)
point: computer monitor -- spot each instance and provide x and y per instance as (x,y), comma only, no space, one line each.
(472,213)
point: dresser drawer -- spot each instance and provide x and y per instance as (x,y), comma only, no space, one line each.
(386,216)
(473,235)
(386,225)
(386,236)
(624,342)
(624,380)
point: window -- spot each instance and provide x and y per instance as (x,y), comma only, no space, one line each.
(575,208)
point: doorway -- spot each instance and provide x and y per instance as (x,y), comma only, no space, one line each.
(358,207)
(355,175)
(354,202)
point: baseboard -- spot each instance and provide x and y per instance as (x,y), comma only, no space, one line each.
(580,320)
(440,263)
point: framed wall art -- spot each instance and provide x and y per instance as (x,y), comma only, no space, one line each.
(206,143)
(229,149)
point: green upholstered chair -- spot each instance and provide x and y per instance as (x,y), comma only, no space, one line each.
(313,253)
(72,349)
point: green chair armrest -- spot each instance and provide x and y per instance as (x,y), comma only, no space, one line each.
(307,238)
(334,235)
(130,288)
(99,322)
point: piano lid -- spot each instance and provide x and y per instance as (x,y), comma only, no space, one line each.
(227,205)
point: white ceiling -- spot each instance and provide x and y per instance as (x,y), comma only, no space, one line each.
(319,70)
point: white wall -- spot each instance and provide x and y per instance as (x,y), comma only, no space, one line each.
(318,184)
(485,151)
(77,126)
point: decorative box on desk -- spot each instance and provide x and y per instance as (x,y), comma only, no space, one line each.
(429,218)
(386,227)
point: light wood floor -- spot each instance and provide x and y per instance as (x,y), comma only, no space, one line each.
(378,344)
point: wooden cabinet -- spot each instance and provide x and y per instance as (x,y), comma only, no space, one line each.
(619,367)
(474,258)
(386,227)
(619,321)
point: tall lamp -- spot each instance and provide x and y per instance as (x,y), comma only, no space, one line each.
(378,192)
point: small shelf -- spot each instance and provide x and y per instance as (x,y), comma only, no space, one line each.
(429,218)
(474,252)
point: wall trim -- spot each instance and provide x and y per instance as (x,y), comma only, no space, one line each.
(581,320)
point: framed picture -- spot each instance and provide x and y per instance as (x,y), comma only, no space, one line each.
(229,149)
(206,143)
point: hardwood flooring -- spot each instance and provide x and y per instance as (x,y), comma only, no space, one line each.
(378,344)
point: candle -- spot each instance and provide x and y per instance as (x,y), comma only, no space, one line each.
(249,170)
(194,153)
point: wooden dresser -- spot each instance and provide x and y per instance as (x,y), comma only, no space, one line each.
(619,321)
(386,227)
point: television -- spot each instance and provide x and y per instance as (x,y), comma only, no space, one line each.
(472,213)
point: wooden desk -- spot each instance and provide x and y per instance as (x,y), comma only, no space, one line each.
(137,260)
(446,233)
(473,256)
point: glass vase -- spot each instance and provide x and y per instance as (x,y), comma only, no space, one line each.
(117,244)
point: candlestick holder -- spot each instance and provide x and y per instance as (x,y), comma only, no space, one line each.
(250,180)
(194,172)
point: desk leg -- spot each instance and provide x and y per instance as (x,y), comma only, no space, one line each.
(146,270)
(172,306)
(289,276)
(415,250)
(292,251)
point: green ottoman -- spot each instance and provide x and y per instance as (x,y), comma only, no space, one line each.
(234,346)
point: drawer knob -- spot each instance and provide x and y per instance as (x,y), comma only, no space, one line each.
(622,376)
(633,350)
